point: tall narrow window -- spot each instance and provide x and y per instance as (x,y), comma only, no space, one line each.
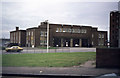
(102,35)
(41,33)
(29,33)
(99,35)
(57,30)
(69,29)
(60,29)
(19,37)
(64,29)
(32,33)
(92,35)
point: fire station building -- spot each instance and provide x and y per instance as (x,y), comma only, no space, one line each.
(63,35)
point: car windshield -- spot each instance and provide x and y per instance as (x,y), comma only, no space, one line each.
(14,47)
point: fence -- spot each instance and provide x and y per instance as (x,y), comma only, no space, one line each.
(57,50)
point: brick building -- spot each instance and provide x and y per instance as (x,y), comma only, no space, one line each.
(18,36)
(63,35)
(32,37)
(119,22)
(67,36)
(114,28)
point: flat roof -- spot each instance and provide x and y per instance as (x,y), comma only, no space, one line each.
(32,28)
(19,30)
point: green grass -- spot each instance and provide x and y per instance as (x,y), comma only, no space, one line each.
(47,59)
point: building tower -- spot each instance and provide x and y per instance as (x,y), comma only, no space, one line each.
(114,28)
(119,23)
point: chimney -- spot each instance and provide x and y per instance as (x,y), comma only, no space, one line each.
(17,28)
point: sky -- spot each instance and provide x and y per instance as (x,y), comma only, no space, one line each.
(27,14)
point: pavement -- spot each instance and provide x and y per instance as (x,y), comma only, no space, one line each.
(63,71)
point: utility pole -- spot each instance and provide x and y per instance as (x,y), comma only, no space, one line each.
(47,35)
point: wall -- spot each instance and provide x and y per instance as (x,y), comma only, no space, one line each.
(108,57)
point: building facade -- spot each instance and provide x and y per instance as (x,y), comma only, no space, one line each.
(32,37)
(63,35)
(114,28)
(119,22)
(73,35)
(4,42)
(18,36)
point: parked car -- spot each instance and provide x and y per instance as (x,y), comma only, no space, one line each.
(12,44)
(14,49)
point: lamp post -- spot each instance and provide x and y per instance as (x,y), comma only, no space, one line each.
(47,35)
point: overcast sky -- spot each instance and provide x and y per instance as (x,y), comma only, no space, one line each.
(30,14)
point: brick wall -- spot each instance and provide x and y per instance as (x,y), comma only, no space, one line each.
(108,57)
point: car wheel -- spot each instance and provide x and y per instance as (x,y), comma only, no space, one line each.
(8,50)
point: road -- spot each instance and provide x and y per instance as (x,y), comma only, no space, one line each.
(36,50)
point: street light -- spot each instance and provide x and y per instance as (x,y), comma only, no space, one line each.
(47,35)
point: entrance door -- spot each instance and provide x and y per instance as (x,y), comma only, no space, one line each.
(76,42)
(66,42)
(84,42)
(56,42)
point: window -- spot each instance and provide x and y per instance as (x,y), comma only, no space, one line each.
(60,29)
(41,42)
(73,30)
(111,14)
(78,30)
(29,33)
(45,34)
(69,30)
(32,42)
(19,37)
(27,40)
(45,42)
(92,35)
(84,31)
(64,29)
(57,30)
(11,37)
(92,43)
(41,33)
(14,38)
(32,33)
(99,35)
(102,35)
(32,38)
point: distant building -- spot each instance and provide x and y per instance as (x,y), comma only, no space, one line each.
(114,28)
(102,38)
(18,36)
(4,42)
(62,35)
(119,6)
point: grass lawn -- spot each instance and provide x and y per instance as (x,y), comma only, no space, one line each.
(47,59)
